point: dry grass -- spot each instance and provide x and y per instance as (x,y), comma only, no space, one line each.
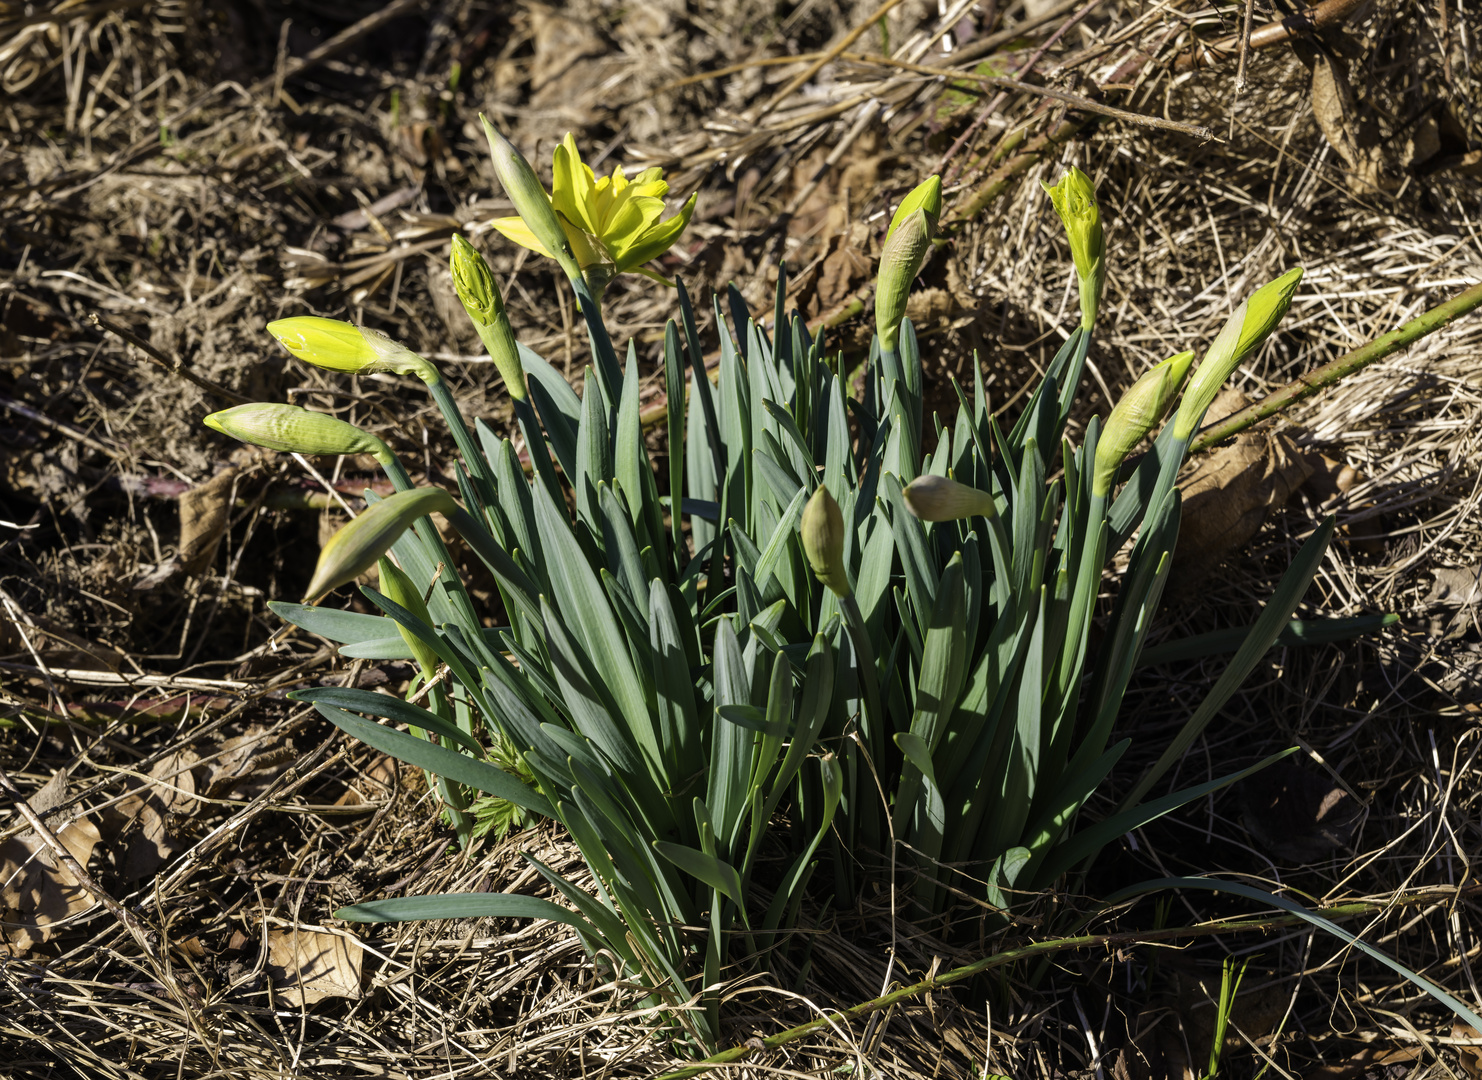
(151,170)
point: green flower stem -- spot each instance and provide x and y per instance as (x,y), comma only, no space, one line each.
(536,448)
(608,370)
(864,653)
(1083,593)
(478,467)
(454,796)
(1330,373)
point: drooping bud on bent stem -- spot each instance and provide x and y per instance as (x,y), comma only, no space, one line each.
(823,541)
(342,346)
(289,429)
(1141,409)
(1249,325)
(479,294)
(356,547)
(1075,201)
(936,498)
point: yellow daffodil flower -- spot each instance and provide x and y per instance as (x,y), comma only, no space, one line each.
(612,223)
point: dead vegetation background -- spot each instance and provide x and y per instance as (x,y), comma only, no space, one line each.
(174,173)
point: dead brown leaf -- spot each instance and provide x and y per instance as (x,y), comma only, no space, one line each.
(155,806)
(1230,494)
(1468,1057)
(309,965)
(36,894)
(204,512)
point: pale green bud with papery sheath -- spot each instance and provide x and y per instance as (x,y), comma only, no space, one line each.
(342,346)
(926,197)
(900,262)
(907,241)
(356,547)
(823,540)
(1075,201)
(1140,410)
(474,282)
(289,429)
(397,586)
(1243,332)
(936,498)
(531,202)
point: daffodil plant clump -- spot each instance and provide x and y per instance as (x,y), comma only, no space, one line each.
(809,615)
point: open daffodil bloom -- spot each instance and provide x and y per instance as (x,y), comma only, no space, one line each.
(611,222)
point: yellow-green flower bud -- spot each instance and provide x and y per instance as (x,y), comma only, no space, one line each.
(342,346)
(531,202)
(900,262)
(398,587)
(1241,335)
(480,296)
(1141,408)
(926,197)
(356,547)
(289,429)
(475,283)
(823,540)
(1075,201)
(935,498)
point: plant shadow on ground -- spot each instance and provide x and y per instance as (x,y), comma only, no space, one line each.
(139,549)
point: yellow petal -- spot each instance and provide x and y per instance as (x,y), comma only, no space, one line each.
(573,185)
(514,228)
(587,254)
(657,239)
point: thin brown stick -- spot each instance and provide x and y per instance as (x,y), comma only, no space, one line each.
(1075,101)
(817,65)
(1328,13)
(172,365)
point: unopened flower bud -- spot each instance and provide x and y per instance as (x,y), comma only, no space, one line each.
(1135,415)
(900,262)
(289,429)
(480,296)
(936,498)
(1075,201)
(531,202)
(1243,332)
(342,346)
(397,586)
(926,197)
(356,547)
(823,540)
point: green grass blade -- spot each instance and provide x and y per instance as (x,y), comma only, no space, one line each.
(1235,888)
(1265,630)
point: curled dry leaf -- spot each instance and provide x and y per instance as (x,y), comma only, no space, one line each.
(1231,492)
(309,965)
(37,895)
